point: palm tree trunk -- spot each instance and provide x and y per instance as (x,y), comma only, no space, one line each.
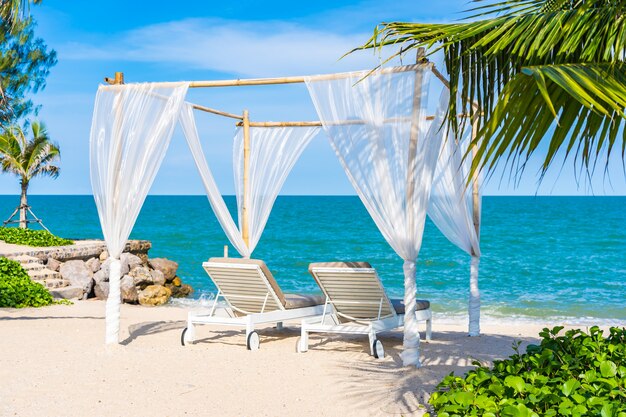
(23,205)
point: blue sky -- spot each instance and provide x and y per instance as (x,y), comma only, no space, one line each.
(153,41)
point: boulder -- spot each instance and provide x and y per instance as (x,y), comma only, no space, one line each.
(154,295)
(69,293)
(128,289)
(157,277)
(93,264)
(53,264)
(180,291)
(77,273)
(141,276)
(131,260)
(100,276)
(104,255)
(106,267)
(101,290)
(143,256)
(164,265)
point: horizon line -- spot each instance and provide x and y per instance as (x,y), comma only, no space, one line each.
(314,195)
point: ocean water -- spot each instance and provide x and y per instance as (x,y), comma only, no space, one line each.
(558,258)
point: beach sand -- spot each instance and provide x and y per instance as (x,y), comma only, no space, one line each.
(53,362)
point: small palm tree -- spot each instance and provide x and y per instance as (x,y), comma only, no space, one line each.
(28,158)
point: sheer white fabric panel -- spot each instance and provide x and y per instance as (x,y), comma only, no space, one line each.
(273,153)
(451,209)
(378,130)
(216,200)
(450,205)
(131,129)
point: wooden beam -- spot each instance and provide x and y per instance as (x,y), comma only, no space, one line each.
(315,124)
(475,184)
(286,80)
(215,111)
(245,221)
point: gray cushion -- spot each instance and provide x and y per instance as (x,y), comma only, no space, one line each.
(303,300)
(398,305)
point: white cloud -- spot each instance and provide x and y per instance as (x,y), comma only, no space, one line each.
(239,47)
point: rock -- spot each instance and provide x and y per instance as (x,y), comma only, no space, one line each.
(100,276)
(181,291)
(128,289)
(157,277)
(164,265)
(131,260)
(69,293)
(144,257)
(77,273)
(154,295)
(141,277)
(101,290)
(53,264)
(176,281)
(104,255)
(93,264)
(106,267)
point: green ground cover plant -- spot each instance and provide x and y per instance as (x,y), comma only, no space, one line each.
(570,374)
(31,237)
(17,290)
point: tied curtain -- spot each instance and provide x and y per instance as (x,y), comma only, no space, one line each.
(188,124)
(273,153)
(377,126)
(451,209)
(131,130)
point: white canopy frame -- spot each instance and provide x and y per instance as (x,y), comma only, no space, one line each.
(244,121)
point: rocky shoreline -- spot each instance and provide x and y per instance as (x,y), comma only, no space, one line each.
(81,271)
(145,281)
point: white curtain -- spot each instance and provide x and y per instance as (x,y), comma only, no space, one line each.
(131,129)
(451,209)
(377,127)
(273,153)
(216,200)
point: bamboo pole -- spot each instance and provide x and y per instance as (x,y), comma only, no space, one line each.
(245,221)
(475,182)
(288,80)
(316,124)
(215,111)
(112,308)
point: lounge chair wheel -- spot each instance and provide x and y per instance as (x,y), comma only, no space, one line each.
(182,337)
(253,342)
(378,349)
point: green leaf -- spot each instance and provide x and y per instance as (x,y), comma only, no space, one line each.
(569,386)
(608,369)
(515,382)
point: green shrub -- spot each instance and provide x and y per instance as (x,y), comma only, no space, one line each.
(16,288)
(31,237)
(575,374)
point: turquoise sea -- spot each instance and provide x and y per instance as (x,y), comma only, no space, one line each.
(562,258)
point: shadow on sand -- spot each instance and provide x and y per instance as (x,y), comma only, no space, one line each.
(398,390)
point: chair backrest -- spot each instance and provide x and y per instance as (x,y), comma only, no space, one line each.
(246,284)
(354,290)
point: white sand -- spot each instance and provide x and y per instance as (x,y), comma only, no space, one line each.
(53,362)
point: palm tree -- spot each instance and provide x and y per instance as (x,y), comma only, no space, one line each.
(28,158)
(537,71)
(13,10)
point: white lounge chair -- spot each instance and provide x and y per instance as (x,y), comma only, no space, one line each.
(356,303)
(249,295)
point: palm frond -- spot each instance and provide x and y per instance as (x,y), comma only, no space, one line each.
(559,60)
(576,108)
